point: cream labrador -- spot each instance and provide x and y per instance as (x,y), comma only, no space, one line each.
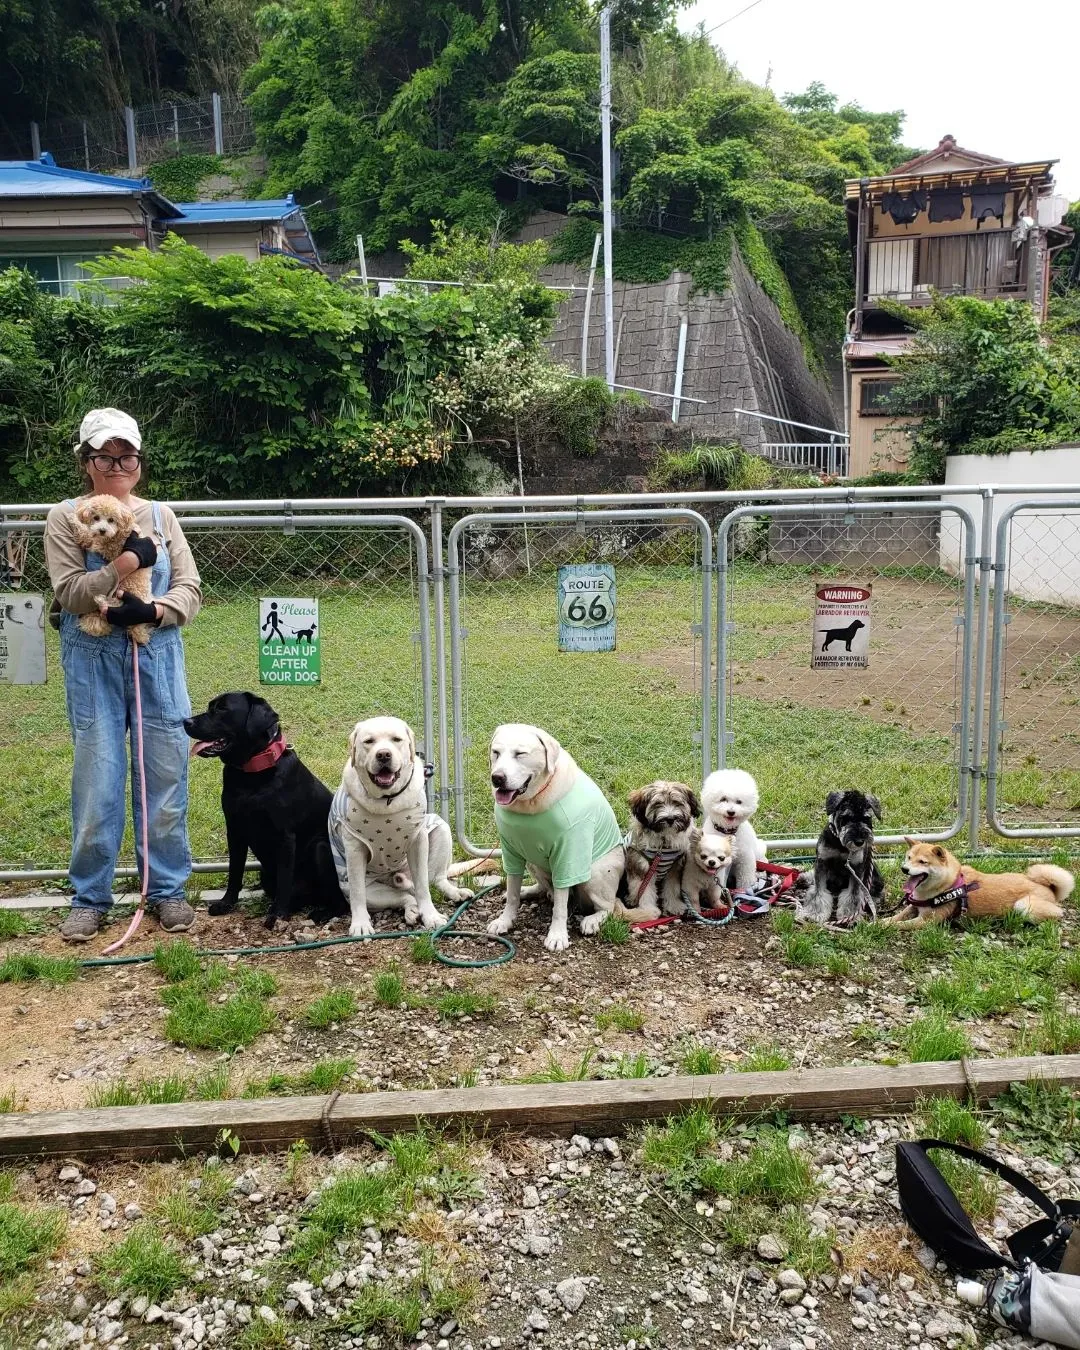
(382,835)
(553,819)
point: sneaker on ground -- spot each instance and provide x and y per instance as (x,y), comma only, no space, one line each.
(175,916)
(81,924)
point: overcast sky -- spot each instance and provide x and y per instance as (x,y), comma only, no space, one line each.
(1000,77)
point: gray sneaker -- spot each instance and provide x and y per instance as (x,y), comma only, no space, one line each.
(81,924)
(175,916)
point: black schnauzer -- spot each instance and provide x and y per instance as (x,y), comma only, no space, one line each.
(845,884)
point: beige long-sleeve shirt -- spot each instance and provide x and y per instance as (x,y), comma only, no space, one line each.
(75,588)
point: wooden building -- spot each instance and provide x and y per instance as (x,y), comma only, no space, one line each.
(950,222)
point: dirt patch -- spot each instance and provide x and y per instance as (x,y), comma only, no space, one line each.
(728,990)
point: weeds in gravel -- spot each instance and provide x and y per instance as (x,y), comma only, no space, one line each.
(325,1075)
(1070,970)
(678,1148)
(620,1016)
(15,923)
(417,1167)
(934,1037)
(177,960)
(700,1059)
(195,1022)
(462,1003)
(985,977)
(422,950)
(262,1335)
(629,1066)
(24,967)
(400,1310)
(934,940)
(809,1251)
(771,1171)
(212,1086)
(838,954)
(338,1005)
(764,1058)
(557,1073)
(1057,1032)
(29,1235)
(946,1118)
(388,989)
(142,1264)
(615,931)
(1041,1112)
(195,1207)
(9,1103)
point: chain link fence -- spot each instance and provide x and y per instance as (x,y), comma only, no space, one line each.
(628,716)
(370,577)
(904,727)
(900,727)
(116,140)
(1034,741)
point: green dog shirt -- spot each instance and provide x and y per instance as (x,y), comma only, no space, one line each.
(565,840)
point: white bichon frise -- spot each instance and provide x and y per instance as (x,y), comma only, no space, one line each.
(729,798)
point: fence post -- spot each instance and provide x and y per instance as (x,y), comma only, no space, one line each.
(129,132)
(985,562)
(176,126)
(219,143)
(86,145)
(35,141)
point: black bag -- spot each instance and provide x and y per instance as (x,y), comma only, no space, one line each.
(934,1212)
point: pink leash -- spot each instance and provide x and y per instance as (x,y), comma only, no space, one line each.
(137,916)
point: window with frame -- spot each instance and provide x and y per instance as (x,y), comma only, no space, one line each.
(879,398)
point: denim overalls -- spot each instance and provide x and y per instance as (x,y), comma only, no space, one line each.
(99,686)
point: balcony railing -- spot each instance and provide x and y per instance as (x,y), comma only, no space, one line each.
(826,457)
(910,270)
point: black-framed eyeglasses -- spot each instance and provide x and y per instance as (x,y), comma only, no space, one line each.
(111,463)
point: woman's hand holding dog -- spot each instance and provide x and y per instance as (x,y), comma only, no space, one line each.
(129,611)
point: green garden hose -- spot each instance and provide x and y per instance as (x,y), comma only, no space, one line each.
(447,931)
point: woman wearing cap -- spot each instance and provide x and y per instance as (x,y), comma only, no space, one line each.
(99,684)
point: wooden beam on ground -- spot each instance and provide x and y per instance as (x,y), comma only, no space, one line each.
(596,1107)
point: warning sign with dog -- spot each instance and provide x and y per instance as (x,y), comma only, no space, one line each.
(22,639)
(841,627)
(289,641)
(587,607)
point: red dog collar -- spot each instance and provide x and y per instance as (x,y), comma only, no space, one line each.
(266,759)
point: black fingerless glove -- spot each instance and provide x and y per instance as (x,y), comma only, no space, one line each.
(144,549)
(131,611)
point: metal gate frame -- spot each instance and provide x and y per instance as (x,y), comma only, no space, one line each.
(287,524)
(998,724)
(966,794)
(454,572)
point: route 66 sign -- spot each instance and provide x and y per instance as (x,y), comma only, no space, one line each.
(587,607)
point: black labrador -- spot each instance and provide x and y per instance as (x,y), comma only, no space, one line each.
(845,883)
(273,805)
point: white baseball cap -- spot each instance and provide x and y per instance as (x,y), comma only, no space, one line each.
(107,424)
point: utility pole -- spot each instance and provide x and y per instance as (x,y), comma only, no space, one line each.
(605,131)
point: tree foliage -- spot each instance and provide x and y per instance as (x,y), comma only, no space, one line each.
(990,380)
(266,377)
(476,114)
(74,56)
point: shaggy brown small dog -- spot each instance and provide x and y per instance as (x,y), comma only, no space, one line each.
(662,816)
(102,524)
(704,880)
(940,889)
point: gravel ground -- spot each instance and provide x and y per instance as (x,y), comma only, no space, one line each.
(566,1244)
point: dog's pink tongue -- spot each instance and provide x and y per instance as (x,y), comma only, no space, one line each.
(198,747)
(504,796)
(911,885)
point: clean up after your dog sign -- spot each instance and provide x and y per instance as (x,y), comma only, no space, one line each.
(841,638)
(289,646)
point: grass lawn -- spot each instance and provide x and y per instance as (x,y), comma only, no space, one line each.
(628,716)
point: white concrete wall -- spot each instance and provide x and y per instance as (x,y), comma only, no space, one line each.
(1044,545)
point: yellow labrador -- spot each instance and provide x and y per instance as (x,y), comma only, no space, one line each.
(553,819)
(388,848)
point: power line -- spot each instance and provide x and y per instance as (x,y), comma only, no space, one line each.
(731,18)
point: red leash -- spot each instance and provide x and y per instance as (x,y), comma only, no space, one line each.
(137,916)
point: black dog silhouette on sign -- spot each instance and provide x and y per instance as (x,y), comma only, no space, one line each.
(844,635)
(306,634)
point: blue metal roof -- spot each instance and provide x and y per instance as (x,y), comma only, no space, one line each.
(45,178)
(235,213)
